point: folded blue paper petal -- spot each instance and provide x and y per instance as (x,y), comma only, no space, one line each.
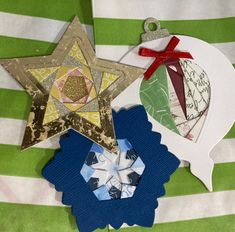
(90,210)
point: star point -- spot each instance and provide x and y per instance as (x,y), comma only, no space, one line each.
(71,88)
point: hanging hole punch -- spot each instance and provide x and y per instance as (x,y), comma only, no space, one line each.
(152,28)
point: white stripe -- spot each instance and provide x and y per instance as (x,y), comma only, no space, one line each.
(224,152)
(7,81)
(116,52)
(12,131)
(195,206)
(24,190)
(163,10)
(35,191)
(112,52)
(228,49)
(36,28)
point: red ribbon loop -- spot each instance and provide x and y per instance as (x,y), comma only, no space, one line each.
(162,56)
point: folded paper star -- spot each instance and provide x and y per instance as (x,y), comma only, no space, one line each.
(71,88)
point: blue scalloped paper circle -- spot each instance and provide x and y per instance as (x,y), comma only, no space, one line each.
(91,213)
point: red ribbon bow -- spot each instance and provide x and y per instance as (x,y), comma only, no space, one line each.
(163,56)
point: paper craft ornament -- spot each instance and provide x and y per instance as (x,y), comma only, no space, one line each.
(182,90)
(106,189)
(71,88)
(113,176)
(188,95)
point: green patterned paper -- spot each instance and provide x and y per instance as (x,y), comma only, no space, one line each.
(154,96)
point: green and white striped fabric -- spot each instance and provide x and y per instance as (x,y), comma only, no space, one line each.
(27,202)
(118,24)
(31,28)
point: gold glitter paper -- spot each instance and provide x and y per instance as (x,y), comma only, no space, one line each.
(71,88)
(75,88)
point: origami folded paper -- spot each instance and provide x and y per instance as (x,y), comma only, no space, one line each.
(185,90)
(77,169)
(186,121)
(71,88)
(113,176)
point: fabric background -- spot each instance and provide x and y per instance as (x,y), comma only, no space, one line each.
(118,24)
(29,28)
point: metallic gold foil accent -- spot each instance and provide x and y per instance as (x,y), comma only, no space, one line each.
(74,49)
(75,88)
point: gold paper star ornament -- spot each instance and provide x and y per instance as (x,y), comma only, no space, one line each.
(71,88)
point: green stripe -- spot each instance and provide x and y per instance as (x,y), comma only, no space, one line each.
(14,47)
(28,218)
(62,10)
(213,224)
(182,182)
(32,218)
(30,162)
(111,31)
(14,104)
(231,133)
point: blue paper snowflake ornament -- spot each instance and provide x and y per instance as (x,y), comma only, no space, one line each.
(95,201)
(113,176)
